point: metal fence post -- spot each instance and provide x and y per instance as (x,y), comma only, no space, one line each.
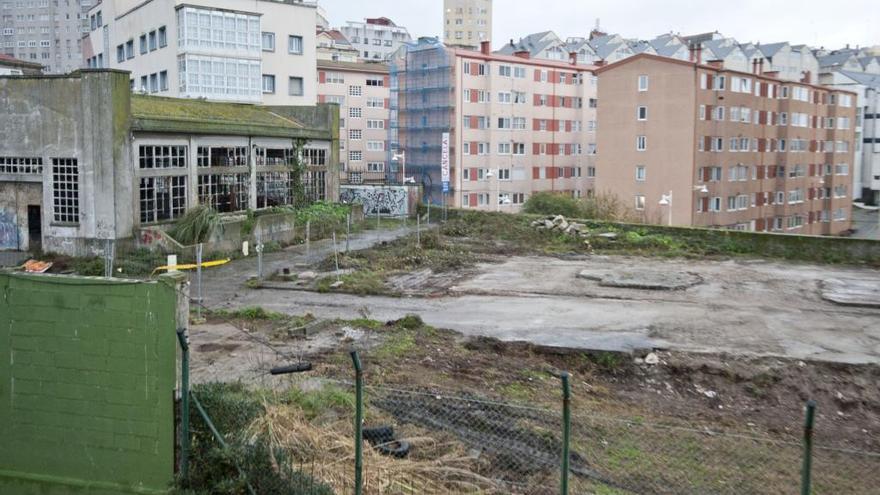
(566,432)
(184,404)
(199,248)
(347,231)
(806,470)
(308,236)
(259,248)
(418,231)
(108,258)
(358,424)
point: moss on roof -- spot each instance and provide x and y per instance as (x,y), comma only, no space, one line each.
(200,111)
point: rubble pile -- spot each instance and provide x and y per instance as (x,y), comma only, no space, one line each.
(558,223)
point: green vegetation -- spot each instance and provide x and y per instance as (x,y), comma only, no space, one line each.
(315,403)
(247,461)
(361,283)
(606,207)
(196,225)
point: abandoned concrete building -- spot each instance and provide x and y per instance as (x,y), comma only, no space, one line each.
(83,160)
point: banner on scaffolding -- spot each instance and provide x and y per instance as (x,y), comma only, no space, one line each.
(444,162)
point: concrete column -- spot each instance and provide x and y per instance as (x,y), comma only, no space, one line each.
(192,187)
(252,164)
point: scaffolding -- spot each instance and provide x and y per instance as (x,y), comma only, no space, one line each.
(422,109)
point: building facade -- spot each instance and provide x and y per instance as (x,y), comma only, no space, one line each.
(692,144)
(261,51)
(85,160)
(866,177)
(362,91)
(46,32)
(375,38)
(516,125)
(467,23)
(10,66)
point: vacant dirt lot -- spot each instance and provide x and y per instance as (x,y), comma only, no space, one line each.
(737,306)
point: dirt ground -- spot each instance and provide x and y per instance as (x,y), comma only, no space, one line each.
(755,395)
(739,306)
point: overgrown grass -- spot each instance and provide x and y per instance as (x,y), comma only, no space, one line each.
(196,225)
(252,313)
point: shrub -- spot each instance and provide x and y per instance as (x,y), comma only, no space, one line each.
(196,226)
(550,203)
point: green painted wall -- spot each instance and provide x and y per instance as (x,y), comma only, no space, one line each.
(87,377)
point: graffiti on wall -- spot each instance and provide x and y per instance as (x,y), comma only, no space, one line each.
(383,200)
(8,230)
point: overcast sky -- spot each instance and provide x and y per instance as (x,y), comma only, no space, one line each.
(816,23)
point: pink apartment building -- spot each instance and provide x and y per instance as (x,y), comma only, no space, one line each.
(516,125)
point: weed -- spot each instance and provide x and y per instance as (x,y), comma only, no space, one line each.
(250,313)
(410,322)
(396,346)
(315,403)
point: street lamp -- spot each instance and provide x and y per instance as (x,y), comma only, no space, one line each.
(401,157)
(498,201)
(666,200)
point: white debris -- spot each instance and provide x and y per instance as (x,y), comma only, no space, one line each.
(652,358)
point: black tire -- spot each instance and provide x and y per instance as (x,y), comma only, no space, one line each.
(396,448)
(379,434)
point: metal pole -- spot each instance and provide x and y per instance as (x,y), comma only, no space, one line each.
(429,211)
(336,256)
(670,208)
(347,231)
(308,236)
(108,259)
(259,248)
(498,191)
(358,424)
(418,230)
(184,404)
(199,247)
(566,432)
(806,470)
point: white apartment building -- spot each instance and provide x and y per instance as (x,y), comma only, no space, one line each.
(47,32)
(375,38)
(256,51)
(362,91)
(467,22)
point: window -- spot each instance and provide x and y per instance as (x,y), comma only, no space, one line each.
(504,97)
(642,113)
(355,134)
(519,148)
(640,173)
(268,42)
(295,86)
(162,198)
(591,172)
(154,83)
(334,78)
(643,83)
(640,202)
(519,72)
(355,112)
(375,124)
(163,37)
(65,190)
(129,49)
(504,71)
(375,145)
(375,103)
(268,83)
(163,80)
(355,156)
(153,41)
(355,91)
(120,53)
(295,45)
(375,166)
(641,143)
(715,204)
(143,43)
(503,148)
(376,82)
(503,174)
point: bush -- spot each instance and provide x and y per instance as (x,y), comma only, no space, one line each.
(550,203)
(196,226)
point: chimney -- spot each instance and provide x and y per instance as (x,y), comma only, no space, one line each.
(772,74)
(573,58)
(716,64)
(760,66)
(522,54)
(599,63)
(699,53)
(486,47)
(692,49)
(808,77)
(755,66)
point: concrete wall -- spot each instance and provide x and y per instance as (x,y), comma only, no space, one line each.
(15,197)
(87,378)
(85,117)
(395,201)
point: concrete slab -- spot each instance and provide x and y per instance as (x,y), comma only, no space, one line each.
(642,279)
(852,292)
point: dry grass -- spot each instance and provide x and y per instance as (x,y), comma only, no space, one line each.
(328,452)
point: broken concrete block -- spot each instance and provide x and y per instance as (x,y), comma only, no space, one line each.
(307,275)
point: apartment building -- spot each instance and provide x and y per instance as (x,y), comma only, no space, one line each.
(255,51)
(516,125)
(467,23)
(47,32)
(866,176)
(362,91)
(375,38)
(692,144)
